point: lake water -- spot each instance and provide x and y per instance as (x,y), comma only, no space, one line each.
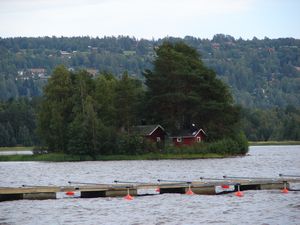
(256,207)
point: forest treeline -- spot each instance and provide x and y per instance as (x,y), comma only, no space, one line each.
(18,123)
(260,73)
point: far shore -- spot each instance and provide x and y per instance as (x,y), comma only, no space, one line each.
(60,157)
(251,143)
(258,143)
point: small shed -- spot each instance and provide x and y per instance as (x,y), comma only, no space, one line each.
(188,137)
(154,133)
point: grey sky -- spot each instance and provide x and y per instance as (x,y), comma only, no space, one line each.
(150,19)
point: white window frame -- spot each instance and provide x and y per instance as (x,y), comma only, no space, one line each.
(198,139)
(158,139)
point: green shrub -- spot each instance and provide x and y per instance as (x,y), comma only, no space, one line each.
(227,146)
(135,145)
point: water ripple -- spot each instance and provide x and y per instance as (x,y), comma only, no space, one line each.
(256,207)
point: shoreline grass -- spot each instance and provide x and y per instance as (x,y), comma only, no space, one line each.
(261,143)
(60,157)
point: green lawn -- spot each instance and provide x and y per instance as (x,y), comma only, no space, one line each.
(16,148)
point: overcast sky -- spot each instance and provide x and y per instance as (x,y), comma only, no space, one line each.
(150,18)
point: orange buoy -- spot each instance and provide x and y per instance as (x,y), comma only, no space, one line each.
(70,193)
(239,193)
(189,191)
(128,196)
(284,190)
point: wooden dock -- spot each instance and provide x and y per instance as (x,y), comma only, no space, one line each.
(121,189)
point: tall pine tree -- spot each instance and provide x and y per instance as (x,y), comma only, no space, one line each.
(182,91)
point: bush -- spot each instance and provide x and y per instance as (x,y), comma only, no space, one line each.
(242,143)
(134,145)
(227,146)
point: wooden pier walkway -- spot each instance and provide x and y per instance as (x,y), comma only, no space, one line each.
(203,186)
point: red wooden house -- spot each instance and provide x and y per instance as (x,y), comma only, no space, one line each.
(188,137)
(154,133)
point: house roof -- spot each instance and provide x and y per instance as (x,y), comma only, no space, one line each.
(37,70)
(146,129)
(188,133)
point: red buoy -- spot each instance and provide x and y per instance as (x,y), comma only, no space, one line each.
(157,190)
(239,194)
(284,190)
(128,197)
(189,191)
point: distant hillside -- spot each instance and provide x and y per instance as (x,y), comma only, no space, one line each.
(261,73)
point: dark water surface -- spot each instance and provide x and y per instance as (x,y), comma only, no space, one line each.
(256,207)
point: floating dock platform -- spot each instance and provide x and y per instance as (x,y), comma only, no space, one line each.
(204,186)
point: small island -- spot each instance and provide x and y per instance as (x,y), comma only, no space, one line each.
(181,110)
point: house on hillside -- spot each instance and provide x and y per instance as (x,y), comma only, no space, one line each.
(153,133)
(65,54)
(92,72)
(37,71)
(32,73)
(188,137)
